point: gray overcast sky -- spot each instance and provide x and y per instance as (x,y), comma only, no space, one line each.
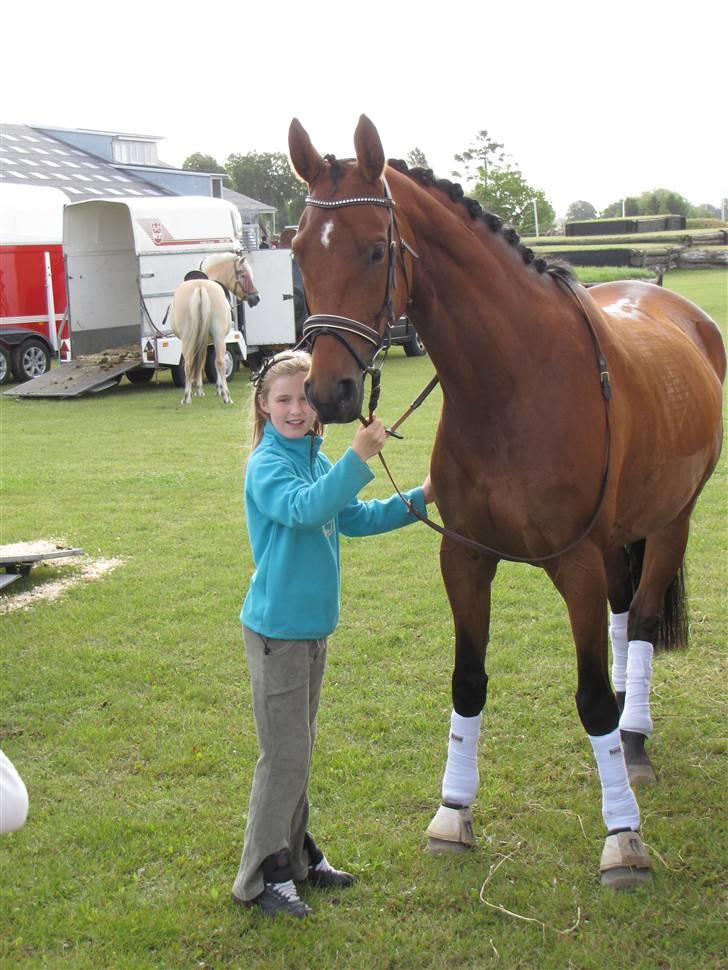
(592,100)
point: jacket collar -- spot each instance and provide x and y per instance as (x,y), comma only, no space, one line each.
(297,446)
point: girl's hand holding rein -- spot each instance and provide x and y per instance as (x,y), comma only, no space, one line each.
(369,441)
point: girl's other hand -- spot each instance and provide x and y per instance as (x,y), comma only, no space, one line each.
(369,441)
(428,490)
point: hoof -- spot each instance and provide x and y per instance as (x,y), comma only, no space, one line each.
(641,774)
(451,830)
(639,766)
(625,862)
(440,846)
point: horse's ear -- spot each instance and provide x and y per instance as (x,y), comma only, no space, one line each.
(306,160)
(369,151)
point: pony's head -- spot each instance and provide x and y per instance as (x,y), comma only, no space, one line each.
(235,273)
(350,253)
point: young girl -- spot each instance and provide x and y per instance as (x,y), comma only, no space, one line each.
(296,504)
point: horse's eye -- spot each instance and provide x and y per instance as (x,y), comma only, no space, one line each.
(378,253)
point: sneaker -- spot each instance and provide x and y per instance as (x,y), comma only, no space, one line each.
(324,876)
(281,899)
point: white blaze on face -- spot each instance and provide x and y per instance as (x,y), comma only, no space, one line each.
(326,234)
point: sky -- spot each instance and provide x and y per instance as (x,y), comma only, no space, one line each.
(592,101)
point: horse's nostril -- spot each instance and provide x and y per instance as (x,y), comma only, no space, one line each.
(348,390)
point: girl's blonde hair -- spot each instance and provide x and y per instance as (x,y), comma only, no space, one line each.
(285,364)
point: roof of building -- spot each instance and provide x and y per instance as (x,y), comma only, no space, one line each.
(244,202)
(30,157)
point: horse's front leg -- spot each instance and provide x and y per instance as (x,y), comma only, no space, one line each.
(581,579)
(468,578)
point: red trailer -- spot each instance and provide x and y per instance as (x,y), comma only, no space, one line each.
(32,279)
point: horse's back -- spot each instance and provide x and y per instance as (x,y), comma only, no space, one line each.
(667,361)
(645,311)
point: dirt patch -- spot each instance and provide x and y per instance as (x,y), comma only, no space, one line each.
(67,572)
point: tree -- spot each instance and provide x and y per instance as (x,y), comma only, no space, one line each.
(706,211)
(202,163)
(476,161)
(657,202)
(500,186)
(508,195)
(417,159)
(578,211)
(268,177)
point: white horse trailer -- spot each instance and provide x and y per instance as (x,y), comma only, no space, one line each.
(124,259)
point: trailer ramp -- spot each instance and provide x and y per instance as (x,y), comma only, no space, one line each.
(18,560)
(88,374)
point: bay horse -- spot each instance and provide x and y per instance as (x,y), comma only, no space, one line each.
(577,431)
(201,312)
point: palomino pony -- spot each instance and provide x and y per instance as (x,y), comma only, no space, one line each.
(201,311)
(577,431)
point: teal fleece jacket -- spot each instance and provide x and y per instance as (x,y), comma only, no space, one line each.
(296,504)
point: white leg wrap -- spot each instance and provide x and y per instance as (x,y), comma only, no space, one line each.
(636,713)
(618,637)
(619,806)
(461,780)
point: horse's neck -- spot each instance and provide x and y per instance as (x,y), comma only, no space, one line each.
(477,307)
(222,271)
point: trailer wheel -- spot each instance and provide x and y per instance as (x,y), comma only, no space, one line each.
(4,366)
(178,373)
(140,375)
(30,359)
(414,346)
(211,369)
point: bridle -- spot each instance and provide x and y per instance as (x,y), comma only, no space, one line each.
(331,325)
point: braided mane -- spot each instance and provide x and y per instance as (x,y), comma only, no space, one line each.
(454,191)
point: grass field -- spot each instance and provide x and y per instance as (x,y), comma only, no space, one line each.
(126,708)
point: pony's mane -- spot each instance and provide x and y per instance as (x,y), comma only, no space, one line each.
(454,191)
(214,259)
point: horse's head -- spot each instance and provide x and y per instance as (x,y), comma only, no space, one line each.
(234,272)
(349,251)
(244,285)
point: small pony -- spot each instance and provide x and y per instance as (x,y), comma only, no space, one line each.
(201,311)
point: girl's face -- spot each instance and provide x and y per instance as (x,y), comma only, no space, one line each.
(287,407)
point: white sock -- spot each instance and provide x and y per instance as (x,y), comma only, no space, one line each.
(618,637)
(636,713)
(461,780)
(619,806)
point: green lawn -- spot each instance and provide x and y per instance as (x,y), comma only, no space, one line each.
(126,707)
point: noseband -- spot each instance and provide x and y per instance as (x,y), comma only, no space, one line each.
(331,325)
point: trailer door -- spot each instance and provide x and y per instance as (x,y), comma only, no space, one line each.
(272,321)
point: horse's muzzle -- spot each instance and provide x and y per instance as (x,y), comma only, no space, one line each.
(253,299)
(341,405)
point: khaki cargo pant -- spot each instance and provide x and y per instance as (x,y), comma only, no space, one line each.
(286,677)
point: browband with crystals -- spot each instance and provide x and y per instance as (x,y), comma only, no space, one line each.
(356,200)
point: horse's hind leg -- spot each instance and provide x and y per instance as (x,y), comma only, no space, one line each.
(468,579)
(663,557)
(582,581)
(621,589)
(222,385)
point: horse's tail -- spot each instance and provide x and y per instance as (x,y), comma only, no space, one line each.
(200,311)
(672,632)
